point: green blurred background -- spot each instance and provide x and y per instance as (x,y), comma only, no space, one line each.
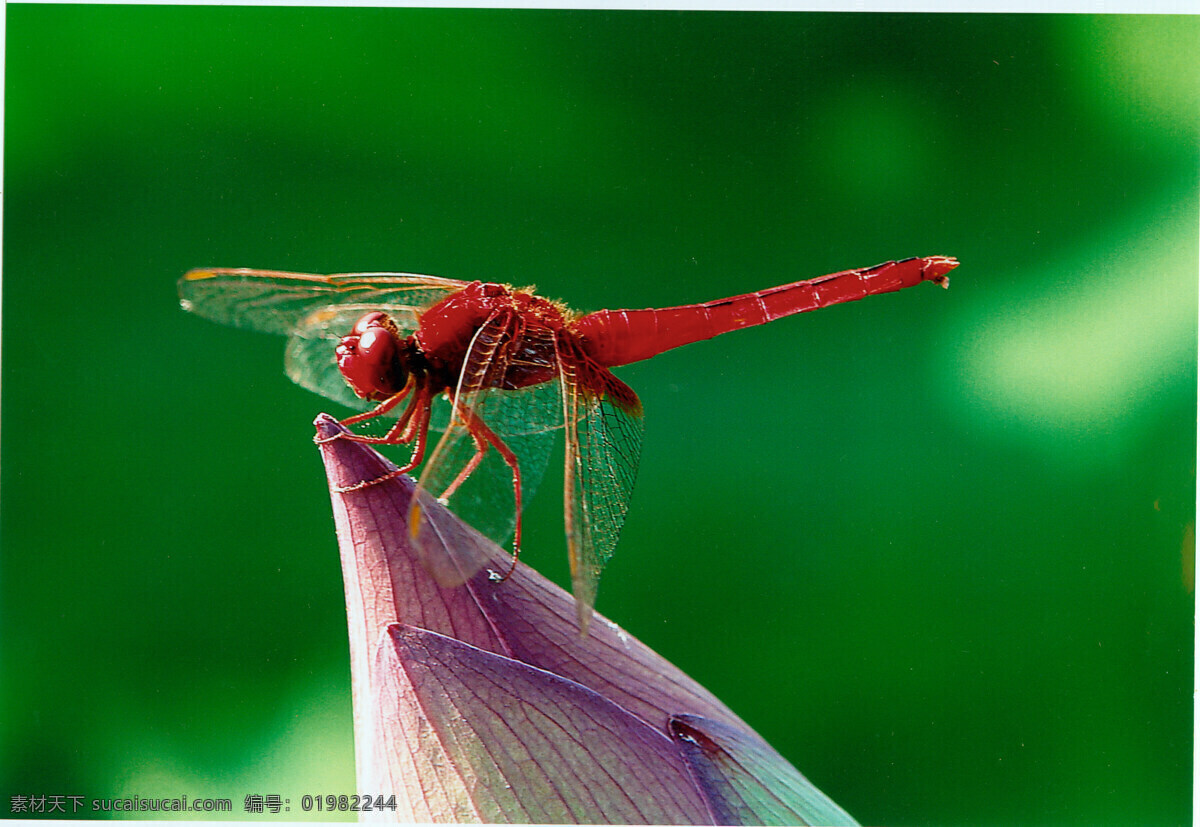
(936,546)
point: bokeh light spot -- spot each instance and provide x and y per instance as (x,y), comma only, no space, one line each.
(1083,349)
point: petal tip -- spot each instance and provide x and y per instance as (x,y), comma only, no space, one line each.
(349,465)
(327,427)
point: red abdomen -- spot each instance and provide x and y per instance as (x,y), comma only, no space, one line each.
(618,337)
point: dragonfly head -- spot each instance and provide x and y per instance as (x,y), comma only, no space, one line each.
(372,357)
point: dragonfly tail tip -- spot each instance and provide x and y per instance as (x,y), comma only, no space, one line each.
(936,268)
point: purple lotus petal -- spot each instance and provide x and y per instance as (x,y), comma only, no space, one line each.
(458,681)
(503,728)
(526,617)
(746,781)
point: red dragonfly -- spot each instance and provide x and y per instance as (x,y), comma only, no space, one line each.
(513,368)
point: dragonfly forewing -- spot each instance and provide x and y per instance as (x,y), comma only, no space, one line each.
(271,301)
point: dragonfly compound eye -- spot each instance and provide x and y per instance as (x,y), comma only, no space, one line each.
(369,358)
(375,318)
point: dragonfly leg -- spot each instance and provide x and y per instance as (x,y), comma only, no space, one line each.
(407,426)
(417,430)
(412,426)
(402,432)
(485,436)
(382,408)
(481,447)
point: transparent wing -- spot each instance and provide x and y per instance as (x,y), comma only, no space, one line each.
(275,302)
(523,420)
(314,312)
(485,499)
(604,443)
